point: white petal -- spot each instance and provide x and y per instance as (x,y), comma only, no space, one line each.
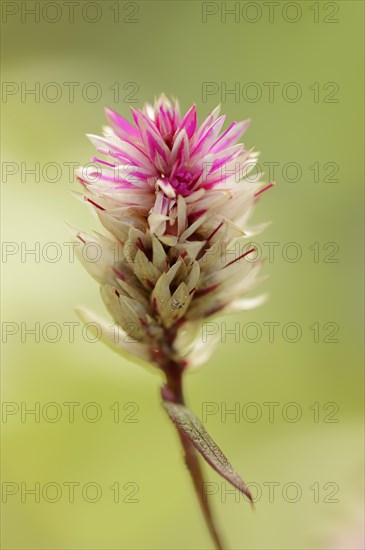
(117,339)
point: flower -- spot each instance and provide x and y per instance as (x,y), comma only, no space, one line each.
(175,199)
(172,197)
(183,178)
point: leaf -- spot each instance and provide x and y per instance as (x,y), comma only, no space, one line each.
(191,427)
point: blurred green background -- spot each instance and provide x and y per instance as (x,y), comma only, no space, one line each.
(140,50)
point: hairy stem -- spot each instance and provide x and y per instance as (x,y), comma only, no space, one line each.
(173,392)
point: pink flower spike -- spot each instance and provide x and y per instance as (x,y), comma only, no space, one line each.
(121,126)
(189,122)
(230,136)
(209,121)
(204,142)
(151,137)
(180,150)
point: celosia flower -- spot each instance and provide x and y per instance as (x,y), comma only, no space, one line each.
(175,199)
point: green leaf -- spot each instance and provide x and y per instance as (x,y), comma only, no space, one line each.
(189,425)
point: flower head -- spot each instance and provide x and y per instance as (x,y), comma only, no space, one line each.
(175,199)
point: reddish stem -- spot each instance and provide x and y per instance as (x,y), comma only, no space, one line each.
(173,392)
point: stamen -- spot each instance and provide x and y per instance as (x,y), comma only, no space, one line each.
(214,232)
(240,257)
(94,204)
(264,189)
(206,290)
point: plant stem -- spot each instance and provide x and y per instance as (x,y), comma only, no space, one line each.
(173,391)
